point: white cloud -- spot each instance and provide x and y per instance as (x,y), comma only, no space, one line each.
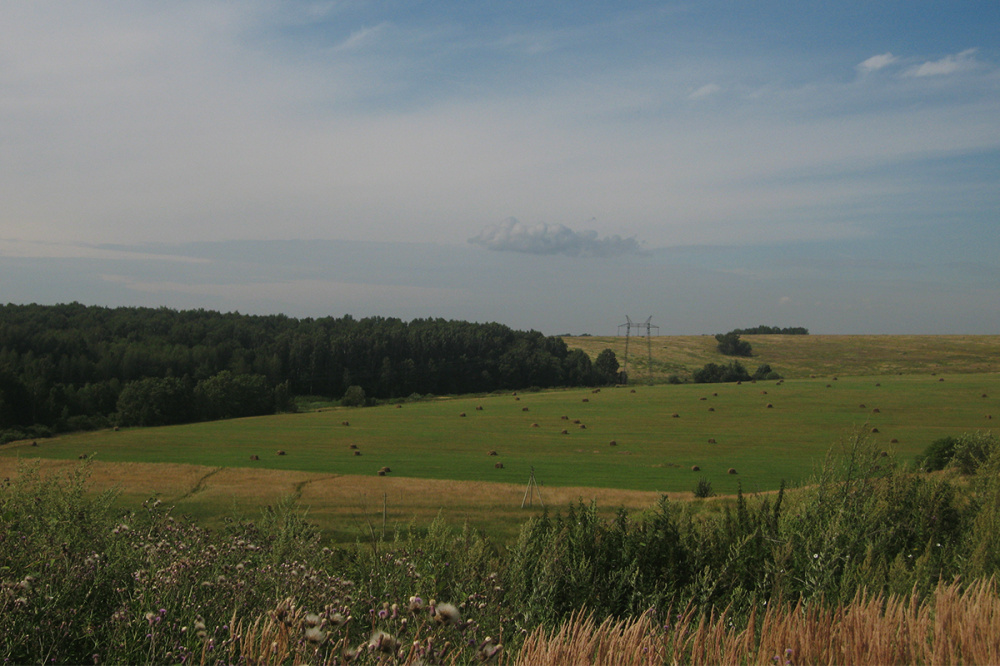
(876,62)
(705,91)
(513,236)
(950,64)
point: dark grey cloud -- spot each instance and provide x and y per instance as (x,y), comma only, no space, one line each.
(514,236)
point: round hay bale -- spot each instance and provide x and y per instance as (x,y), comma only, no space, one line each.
(878,384)
(564,432)
(34,443)
(711,409)
(345,423)
(516,399)
(534,425)
(116,427)
(675,415)
(357,453)
(514,393)
(462,415)
(82,456)
(834,379)
(524,409)
(883,454)
(583,426)
(715,395)
(612,443)
(352,446)
(703,398)
(596,391)
(254,457)
(763,392)
(398,406)
(894,441)
(861,406)
(381,472)
(829,385)
(770,406)
(739,383)
(989,416)
(564,418)
(498,465)
(731,470)
(874,430)
(632,391)
(876,411)
(586,399)
(576,421)
(492,453)
(387,470)
(281,452)
(711,440)
(479,408)
(941,379)
(984,395)
(695,468)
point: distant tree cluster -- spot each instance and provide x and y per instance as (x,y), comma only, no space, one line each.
(731,345)
(772,330)
(73,367)
(715,373)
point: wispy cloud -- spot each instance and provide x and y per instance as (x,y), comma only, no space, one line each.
(705,91)
(513,236)
(876,62)
(950,64)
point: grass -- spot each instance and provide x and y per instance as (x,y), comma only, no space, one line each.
(800,356)
(953,626)
(439,462)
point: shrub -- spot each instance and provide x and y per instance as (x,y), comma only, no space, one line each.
(703,488)
(973,449)
(354,396)
(938,454)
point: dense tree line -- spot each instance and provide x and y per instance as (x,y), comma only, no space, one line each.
(772,330)
(73,366)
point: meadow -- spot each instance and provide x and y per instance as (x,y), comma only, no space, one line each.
(619,446)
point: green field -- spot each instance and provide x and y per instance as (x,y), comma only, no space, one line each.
(653,451)
(439,459)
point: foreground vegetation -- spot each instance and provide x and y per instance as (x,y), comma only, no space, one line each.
(84,581)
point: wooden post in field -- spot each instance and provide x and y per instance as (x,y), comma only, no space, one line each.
(527,491)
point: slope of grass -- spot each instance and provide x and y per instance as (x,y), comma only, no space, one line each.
(799,356)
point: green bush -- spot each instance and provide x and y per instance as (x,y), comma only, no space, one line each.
(938,454)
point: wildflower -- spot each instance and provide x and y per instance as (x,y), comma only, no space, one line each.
(312,620)
(383,642)
(338,619)
(416,605)
(447,614)
(315,635)
(150,617)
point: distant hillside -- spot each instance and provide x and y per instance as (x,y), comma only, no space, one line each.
(804,355)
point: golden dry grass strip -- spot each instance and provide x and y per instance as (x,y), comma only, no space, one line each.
(955,625)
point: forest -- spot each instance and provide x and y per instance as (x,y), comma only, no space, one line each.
(76,367)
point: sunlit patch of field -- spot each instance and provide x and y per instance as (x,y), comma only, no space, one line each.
(801,356)
(345,507)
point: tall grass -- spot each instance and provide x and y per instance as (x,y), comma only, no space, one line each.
(954,625)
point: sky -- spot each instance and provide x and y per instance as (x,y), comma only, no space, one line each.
(555,166)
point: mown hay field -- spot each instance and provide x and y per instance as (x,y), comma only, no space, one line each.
(802,356)
(438,451)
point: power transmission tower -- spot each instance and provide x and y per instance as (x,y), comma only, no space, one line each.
(629,325)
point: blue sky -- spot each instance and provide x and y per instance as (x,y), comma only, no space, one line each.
(554,166)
